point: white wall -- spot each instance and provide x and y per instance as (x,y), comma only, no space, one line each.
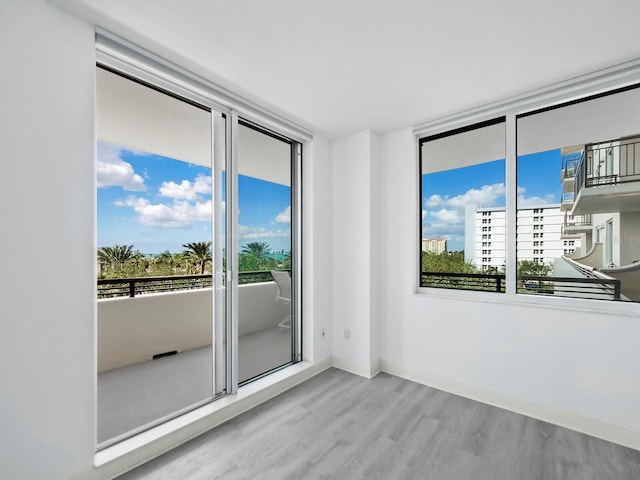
(47,191)
(132,330)
(47,362)
(352,159)
(317,269)
(579,362)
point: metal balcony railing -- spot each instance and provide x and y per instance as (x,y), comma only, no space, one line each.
(606,164)
(572,224)
(567,197)
(464,281)
(569,164)
(130,287)
(594,288)
(577,220)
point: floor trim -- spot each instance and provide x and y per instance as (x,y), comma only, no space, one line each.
(366,371)
(586,425)
(130,453)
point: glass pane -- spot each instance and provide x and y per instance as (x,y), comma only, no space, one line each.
(463,209)
(155,302)
(265,332)
(579,199)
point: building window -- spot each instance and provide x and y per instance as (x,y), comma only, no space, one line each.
(483,170)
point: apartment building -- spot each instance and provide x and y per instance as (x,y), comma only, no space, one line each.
(434,245)
(540,237)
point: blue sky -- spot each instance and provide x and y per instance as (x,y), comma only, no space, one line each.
(156,203)
(445,194)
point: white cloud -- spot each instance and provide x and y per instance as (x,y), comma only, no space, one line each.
(434,201)
(486,195)
(186,190)
(179,214)
(447,216)
(246,232)
(524,201)
(115,172)
(284,216)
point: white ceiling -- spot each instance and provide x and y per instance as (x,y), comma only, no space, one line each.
(342,66)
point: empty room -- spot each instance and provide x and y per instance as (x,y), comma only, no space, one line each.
(355,239)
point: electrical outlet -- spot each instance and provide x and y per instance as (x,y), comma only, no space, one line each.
(347,334)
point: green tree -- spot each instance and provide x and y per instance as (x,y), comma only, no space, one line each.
(533,269)
(254,257)
(199,253)
(257,249)
(117,256)
(446,262)
(286,263)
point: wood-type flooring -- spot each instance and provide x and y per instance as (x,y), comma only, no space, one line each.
(341,426)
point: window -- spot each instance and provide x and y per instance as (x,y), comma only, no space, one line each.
(584,157)
(576,171)
(462,189)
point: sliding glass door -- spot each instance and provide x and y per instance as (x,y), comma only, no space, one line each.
(157,349)
(266,318)
(197,253)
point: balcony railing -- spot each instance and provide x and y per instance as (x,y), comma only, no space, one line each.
(130,287)
(608,165)
(567,197)
(574,223)
(595,288)
(569,164)
(464,281)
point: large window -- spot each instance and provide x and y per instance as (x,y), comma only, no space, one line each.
(564,223)
(462,179)
(578,170)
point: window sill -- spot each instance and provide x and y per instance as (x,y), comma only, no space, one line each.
(630,309)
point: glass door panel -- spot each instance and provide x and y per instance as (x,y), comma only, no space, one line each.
(264,294)
(155,235)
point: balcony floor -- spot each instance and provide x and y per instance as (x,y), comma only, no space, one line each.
(132,396)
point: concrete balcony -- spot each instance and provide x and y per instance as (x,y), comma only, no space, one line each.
(607,179)
(574,225)
(155,356)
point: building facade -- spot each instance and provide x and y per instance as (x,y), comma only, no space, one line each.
(539,236)
(434,245)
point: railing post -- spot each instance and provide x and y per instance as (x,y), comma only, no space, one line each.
(616,290)
(132,289)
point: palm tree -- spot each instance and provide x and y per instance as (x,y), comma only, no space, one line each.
(199,253)
(117,255)
(286,263)
(257,249)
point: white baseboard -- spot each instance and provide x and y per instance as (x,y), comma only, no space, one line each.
(366,371)
(130,453)
(572,421)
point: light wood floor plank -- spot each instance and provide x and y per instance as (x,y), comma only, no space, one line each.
(340,426)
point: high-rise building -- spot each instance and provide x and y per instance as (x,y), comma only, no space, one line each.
(539,235)
(434,245)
